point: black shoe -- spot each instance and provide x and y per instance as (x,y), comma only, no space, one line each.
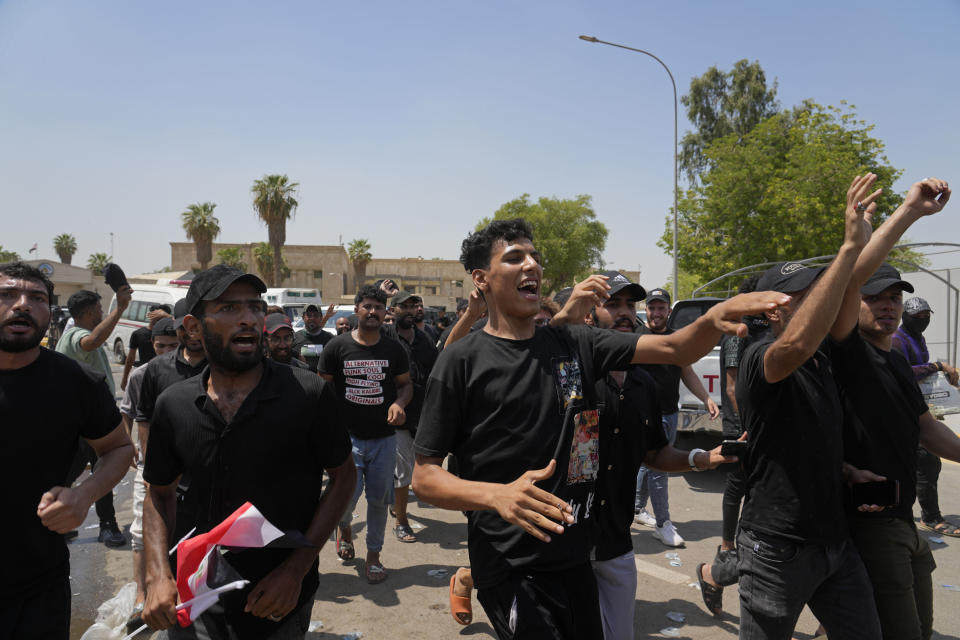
(111,535)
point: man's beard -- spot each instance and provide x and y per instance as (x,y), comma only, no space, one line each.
(220,355)
(625,322)
(20,342)
(405,322)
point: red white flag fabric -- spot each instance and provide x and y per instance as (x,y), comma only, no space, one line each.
(34,248)
(201,568)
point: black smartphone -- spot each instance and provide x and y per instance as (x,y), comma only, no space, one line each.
(885,493)
(734,448)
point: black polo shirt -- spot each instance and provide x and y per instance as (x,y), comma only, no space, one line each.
(667,377)
(422,355)
(309,346)
(272,455)
(795,456)
(882,409)
(162,372)
(630,427)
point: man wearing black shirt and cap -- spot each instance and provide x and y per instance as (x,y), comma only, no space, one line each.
(794,546)
(309,341)
(140,346)
(246,430)
(280,340)
(517,397)
(885,419)
(40,439)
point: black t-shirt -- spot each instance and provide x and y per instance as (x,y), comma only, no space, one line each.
(795,456)
(882,406)
(630,427)
(442,340)
(142,341)
(296,364)
(310,346)
(365,380)
(667,377)
(422,355)
(731,349)
(503,407)
(272,455)
(162,372)
(40,439)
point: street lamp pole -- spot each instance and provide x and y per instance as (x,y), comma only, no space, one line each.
(675,173)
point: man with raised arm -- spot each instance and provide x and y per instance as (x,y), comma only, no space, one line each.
(794,547)
(516,404)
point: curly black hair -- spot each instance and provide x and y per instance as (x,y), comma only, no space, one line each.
(372,292)
(476,248)
(22,271)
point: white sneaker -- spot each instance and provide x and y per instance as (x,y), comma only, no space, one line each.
(645,519)
(668,535)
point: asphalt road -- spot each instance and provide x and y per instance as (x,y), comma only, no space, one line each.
(413,602)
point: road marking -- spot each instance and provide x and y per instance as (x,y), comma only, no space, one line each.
(662,573)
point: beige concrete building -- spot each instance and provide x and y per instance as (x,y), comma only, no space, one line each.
(68,279)
(327,268)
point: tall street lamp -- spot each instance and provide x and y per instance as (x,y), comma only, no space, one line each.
(675,191)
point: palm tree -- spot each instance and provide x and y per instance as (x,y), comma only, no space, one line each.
(232,256)
(65,245)
(360,256)
(201,227)
(274,202)
(8,256)
(97,261)
(263,257)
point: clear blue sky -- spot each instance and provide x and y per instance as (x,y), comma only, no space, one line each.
(405,123)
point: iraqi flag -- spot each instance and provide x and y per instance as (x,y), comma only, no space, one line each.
(201,570)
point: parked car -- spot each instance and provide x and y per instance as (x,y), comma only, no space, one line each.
(135,315)
(693,417)
(340,311)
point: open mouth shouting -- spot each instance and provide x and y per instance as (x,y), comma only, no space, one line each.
(530,289)
(20,324)
(245,342)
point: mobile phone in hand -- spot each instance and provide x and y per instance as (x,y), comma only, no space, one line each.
(885,493)
(734,448)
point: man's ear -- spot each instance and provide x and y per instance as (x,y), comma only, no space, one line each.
(193,326)
(479,277)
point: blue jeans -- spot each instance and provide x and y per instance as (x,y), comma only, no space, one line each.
(375,461)
(653,483)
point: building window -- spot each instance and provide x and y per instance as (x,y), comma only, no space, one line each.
(318,275)
(430,291)
(410,288)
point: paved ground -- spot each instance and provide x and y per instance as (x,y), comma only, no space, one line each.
(412,603)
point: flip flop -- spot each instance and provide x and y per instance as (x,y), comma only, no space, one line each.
(942,527)
(460,606)
(404,533)
(376,573)
(712,596)
(344,547)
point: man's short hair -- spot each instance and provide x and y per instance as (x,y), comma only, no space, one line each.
(161,307)
(749,284)
(81,301)
(476,248)
(22,271)
(372,292)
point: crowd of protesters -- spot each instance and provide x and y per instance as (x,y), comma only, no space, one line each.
(549,423)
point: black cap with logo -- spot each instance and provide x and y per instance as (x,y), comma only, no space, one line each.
(788,277)
(658,294)
(618,282)
(884,278)
(210,284)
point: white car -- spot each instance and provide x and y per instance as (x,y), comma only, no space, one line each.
(135,315)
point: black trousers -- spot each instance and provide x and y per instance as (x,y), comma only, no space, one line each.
(40,611)
(545,605)
(928,473)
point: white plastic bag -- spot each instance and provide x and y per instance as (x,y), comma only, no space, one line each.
(942,397)
(112,615)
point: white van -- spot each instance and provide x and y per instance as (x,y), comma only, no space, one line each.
(293,301)
(135,315)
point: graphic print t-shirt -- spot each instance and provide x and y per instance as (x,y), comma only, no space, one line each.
(364,377)
(504,407)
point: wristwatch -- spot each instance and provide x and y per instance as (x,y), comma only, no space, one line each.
(692,462)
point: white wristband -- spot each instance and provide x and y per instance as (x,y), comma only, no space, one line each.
(690,459)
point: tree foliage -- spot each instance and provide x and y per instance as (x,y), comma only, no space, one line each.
(720,104)
(202,228)
(566,232)
(274,202)
(8,256)
(97,261)
(779,191)
(360,256)
(233,257)
(65,245)
(263,257)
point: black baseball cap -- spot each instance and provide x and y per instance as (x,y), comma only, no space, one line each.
(275,321)
(311,307)
(658,294)
(914,306)
(884,278)
(561,297)
(179,310)
(210,284)
(403,296)
(618,282)
(163,327)
(788,277)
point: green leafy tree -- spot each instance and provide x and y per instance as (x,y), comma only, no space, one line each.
(233,256)
(263,257)
(274,202)
(202,228)
(65,245)
(688,282)
(566,232)
(360,256)
(97,261)
(721,103)
(8,256)
(778,192)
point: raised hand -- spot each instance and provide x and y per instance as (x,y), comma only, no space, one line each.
(927,197)
(860,209)
(727,316)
